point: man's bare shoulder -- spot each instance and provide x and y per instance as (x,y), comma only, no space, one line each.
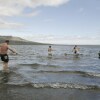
(4,45)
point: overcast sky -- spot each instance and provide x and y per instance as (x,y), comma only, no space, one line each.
(52,21)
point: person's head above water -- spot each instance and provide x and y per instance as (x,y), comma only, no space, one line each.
(75,45)
(7,41)
(49,46)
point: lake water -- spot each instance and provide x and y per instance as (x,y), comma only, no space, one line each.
(34,67)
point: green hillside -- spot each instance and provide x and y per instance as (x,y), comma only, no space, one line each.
(18,41)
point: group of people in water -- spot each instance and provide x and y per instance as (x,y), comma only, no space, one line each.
(4,47)
(75,50)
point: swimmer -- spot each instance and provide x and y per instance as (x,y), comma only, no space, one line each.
(49,51)
(75,50)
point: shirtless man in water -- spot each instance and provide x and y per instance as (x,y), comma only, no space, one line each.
(4,56)
(50,51)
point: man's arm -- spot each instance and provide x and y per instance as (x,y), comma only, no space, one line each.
(12,50)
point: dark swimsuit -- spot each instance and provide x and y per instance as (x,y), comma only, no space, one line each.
(75,51)
(4,57)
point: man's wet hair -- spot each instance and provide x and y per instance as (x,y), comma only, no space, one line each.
(7,41)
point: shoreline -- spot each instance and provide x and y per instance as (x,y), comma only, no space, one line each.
(8,92)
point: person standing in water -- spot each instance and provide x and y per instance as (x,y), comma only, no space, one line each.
(4,56)
(49,51)
(99,54)
(76,50)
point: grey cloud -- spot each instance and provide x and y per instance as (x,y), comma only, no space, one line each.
(16,7)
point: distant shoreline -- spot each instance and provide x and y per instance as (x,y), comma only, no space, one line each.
(19,41)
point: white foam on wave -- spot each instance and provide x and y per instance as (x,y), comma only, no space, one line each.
(64,85)
(94,74)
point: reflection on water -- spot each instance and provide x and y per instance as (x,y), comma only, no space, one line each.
(63,69)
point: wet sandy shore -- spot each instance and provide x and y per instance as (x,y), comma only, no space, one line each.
(29,93)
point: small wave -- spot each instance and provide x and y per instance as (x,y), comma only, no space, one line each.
(59,85)
(83,73)
(91,74)
(46,70)
(94,74)
(35,64)
(40,64)
(65,85)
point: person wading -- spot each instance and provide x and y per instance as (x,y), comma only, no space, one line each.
(4,56)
